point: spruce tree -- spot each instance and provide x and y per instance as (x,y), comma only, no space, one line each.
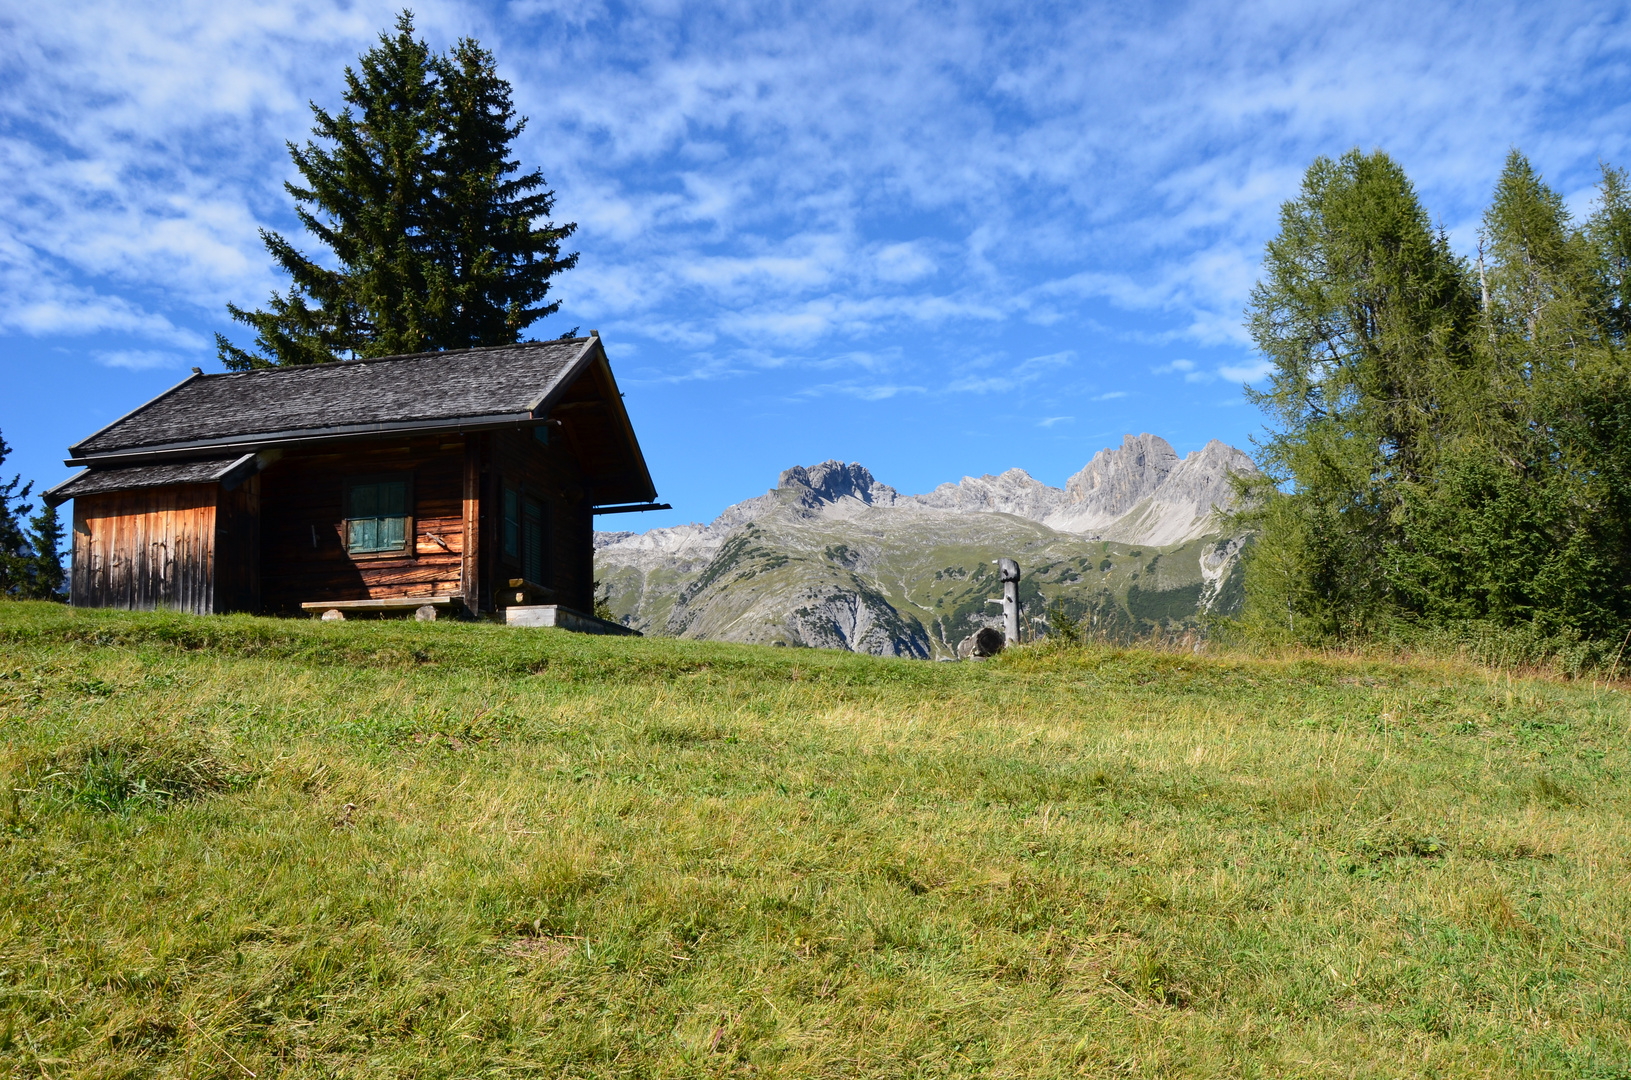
(16,554)
(45,574)
(497,256)
(412,190)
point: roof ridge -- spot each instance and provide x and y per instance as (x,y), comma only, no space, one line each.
(281,369)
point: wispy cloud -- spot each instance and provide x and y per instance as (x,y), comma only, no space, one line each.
(1184,366)
(793,196)
(865,391)
(138,359)
(1246,373)
(1021,374)
(1052,420)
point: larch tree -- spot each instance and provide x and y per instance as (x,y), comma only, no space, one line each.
(1450,445)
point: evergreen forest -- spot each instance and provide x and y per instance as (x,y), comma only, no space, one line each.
(1448,445)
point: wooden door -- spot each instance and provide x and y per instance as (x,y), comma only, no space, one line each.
(534,542)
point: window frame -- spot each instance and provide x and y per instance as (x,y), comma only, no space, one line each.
(409,548)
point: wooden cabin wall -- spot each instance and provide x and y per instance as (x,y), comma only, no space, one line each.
(238,548)
(145,549)
(302,499)
(551,474)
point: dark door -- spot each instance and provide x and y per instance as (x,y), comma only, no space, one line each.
(534,549)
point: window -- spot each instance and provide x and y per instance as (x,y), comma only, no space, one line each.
(512,524)
(377,516)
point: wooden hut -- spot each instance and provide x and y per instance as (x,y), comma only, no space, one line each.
(437,482)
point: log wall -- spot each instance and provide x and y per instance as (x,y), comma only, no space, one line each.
(278,541)
(238,548)
(145,549)
(303,553)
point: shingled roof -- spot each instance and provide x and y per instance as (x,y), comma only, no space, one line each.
(210,423)
(192,471)
(424,391)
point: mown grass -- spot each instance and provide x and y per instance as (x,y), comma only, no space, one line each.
(238,846)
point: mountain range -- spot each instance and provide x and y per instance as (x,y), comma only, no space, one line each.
(831,557)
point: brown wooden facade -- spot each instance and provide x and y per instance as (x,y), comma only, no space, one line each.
(275,531)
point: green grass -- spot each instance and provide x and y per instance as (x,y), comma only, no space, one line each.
(235,845)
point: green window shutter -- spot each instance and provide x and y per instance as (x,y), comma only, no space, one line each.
(378,517)
(392,533)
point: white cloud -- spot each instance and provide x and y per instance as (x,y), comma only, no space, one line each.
(139,359)
(1246,373)
(1052,420)
(1022,374)
(903,263)
(767,179)
(862,390)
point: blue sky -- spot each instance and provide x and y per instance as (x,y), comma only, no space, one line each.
(938,239)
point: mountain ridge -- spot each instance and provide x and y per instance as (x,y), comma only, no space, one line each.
(833,557)
(1141,491)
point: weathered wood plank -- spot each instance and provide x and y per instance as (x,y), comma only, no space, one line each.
(470,545)
(148,548)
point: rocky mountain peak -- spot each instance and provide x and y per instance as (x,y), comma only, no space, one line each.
(1012,492)
(1116,478)
(831,481)
(1138,492)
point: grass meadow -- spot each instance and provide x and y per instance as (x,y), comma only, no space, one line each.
(238,847)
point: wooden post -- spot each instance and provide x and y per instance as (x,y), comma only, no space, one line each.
(469,560)
(1008,571)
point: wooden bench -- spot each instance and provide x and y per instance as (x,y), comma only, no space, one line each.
(423,608)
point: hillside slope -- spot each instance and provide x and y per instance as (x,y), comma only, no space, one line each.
(832,558)
(236,846)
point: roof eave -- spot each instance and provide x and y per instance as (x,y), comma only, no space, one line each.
(73,450)
(594,351)
(298,436)
(51,496)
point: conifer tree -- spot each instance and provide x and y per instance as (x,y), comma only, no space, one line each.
(1609,234)
(45,573)
(1449,448)
(1363,312)
(16,554)
(498,258)
(412,189)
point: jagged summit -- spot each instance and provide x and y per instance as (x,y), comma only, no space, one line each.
(1142,492)
(1139,492)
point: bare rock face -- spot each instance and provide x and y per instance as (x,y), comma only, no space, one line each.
(1141,492)
(1014,492)
(1117,479)
(832,484)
